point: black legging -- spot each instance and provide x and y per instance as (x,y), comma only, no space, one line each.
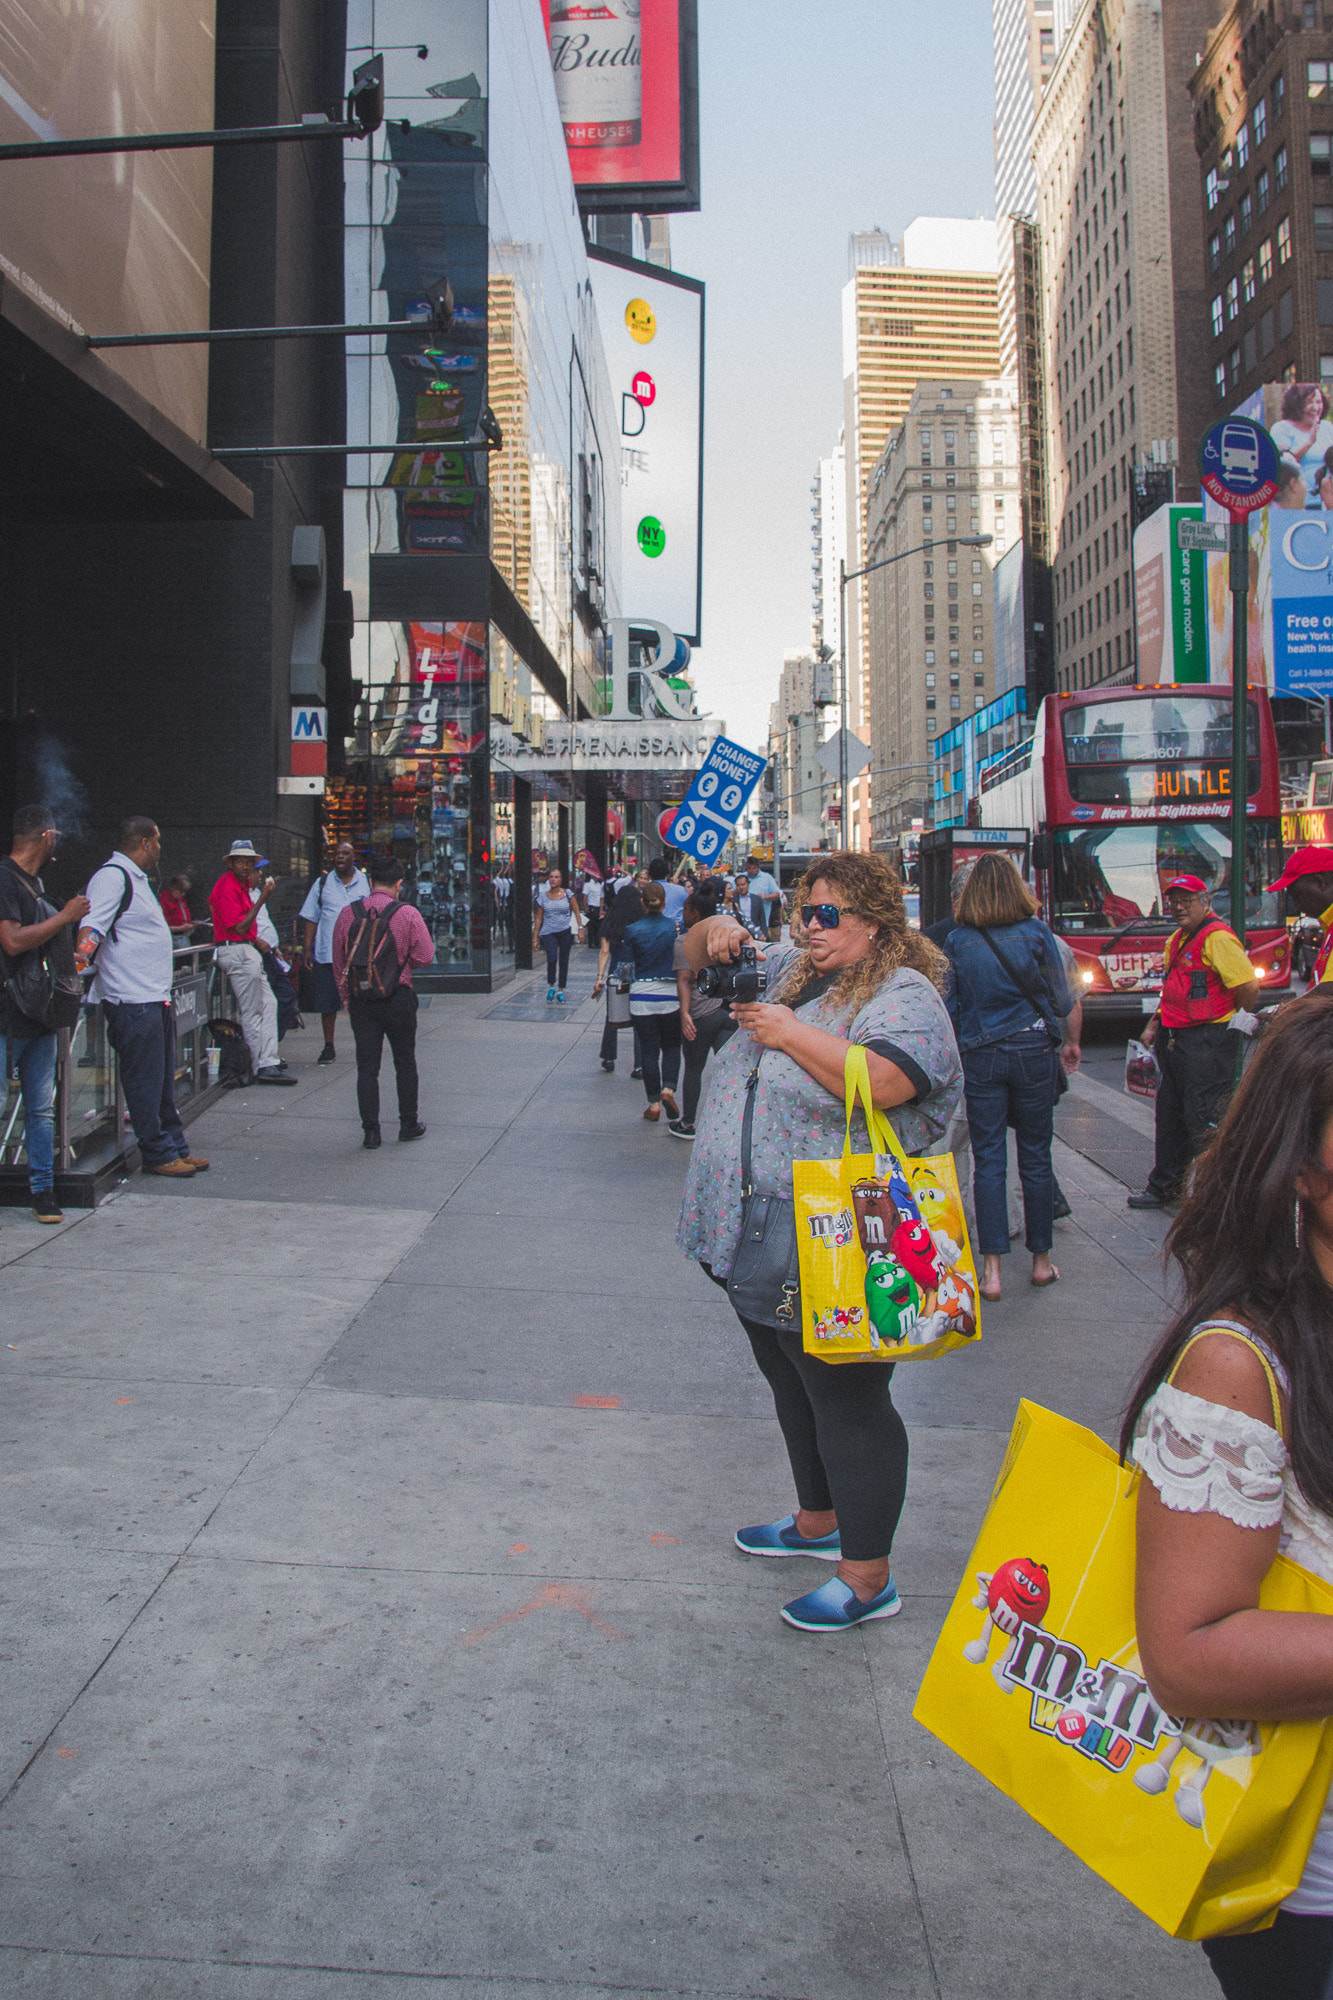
(710,1032)
(659,1052)
(557,945)
(846,1442)
(1294,1959)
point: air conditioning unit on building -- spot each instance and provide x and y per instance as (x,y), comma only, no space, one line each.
(502,696)
(537,732)
(522,718)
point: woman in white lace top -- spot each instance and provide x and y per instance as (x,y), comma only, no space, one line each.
(1229,1482)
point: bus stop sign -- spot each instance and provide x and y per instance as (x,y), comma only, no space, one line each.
(1238,466)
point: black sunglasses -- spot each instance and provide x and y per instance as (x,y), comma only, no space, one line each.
(829,915)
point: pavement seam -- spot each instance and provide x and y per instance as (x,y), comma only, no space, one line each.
(553,1980)
(902,1825)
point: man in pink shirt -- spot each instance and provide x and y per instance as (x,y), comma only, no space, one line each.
(376,942)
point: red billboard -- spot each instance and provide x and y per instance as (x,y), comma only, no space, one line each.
(627,85)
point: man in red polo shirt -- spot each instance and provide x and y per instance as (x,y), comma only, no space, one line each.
(239,954)
(390,1016)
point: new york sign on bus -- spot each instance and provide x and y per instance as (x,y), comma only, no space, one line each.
(1291,552)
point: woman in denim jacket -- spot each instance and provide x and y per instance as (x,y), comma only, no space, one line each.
(1007,998)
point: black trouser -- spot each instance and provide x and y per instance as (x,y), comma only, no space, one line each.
(610,1031)
(1198,1067)
(658,1050)
(143,1035)
(846,1442)
(556,945)
(594,927)
(374,1022)
(1292,1961)
(710,1032)
(289,1013)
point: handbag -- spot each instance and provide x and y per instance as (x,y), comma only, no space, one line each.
(887,1272)
(765,1281)
(1204,1825)
(1039,996)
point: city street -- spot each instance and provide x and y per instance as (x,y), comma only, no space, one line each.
(371,1616)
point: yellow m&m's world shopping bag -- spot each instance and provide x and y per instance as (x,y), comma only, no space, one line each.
(1203,1824)
(886,1265)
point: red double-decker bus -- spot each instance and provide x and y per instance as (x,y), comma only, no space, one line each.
(1125,788)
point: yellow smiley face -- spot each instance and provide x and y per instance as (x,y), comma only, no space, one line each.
(641,320)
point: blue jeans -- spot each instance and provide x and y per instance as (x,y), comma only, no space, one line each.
(143,1035)
(1007,1083)
(34,1057)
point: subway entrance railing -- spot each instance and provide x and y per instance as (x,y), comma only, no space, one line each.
(94,1143)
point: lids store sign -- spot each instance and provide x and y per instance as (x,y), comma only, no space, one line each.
(607,746)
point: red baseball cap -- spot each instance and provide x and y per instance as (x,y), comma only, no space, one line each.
(1306,861)
(1191,885)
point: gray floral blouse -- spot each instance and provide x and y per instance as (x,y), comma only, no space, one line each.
(795,1118)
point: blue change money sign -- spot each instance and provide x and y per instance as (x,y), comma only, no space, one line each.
(716,799)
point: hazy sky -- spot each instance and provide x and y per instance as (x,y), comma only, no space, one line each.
(816,119)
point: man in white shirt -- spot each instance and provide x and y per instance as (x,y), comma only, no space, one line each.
(593,891)
(764,889)
(329,896)
(127,930)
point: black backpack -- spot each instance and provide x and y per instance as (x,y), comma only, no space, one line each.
(373,970)
(44,986)
(234,1066)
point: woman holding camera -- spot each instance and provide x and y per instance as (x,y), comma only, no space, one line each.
(858,975)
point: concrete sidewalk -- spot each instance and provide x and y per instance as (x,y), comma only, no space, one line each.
(371,1617)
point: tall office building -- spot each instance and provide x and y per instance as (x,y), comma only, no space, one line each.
(951,469)
(1024,33)
(802,788)
(1123,295)
(921,309)
(828,547)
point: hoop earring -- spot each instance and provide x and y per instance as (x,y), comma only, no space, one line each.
(1297,1222)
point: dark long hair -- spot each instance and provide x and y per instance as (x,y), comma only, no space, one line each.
(1240,1246)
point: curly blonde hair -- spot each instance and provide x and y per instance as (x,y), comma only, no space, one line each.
(874,893)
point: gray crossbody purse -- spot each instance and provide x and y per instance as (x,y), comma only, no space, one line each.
(765,1281)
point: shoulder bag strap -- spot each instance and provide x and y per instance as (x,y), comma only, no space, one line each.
(127,897)
(1234,1332)
(747,1127)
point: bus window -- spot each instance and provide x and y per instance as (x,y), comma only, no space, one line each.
(1104,877)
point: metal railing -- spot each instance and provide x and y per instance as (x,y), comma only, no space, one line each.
(90,1116)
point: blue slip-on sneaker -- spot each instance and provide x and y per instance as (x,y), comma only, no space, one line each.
(779,1538)
(835,1607)
(560,999)
(550,994)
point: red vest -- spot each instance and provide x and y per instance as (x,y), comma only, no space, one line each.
(1321,963)
(1192,993)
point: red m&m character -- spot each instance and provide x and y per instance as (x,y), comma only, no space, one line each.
(1019,1593)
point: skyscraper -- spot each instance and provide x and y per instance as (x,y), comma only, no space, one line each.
(1025,48)
(922,308)
(828,546)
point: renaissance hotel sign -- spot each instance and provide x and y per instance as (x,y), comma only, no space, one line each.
(607,746)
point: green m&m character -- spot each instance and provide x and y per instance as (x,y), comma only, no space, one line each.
(892,1299)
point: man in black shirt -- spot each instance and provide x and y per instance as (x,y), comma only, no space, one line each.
(30,1047)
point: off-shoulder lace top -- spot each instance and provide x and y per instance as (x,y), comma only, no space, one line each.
(1205,1458)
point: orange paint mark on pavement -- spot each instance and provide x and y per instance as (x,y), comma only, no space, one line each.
(124,1399)
(664,1541)
(67,1753)
(559,1596)
(521,1549)
(596,1402)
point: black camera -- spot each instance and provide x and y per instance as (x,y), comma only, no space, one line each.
(743,981)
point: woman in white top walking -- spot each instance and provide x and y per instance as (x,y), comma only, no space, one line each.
(556,923)
(1224,1488)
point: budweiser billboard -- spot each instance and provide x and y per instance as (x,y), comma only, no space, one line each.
(627,84)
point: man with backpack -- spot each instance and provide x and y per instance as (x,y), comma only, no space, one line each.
(36,960)
(130,943)
(330,893)
(376,942)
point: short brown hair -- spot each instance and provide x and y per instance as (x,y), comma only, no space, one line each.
(654,896)
(995,894)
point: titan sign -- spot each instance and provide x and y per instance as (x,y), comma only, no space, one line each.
(627,84)
(652,325)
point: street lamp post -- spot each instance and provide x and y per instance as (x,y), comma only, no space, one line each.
(846,576)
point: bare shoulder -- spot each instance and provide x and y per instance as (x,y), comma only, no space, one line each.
(1219,1368)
